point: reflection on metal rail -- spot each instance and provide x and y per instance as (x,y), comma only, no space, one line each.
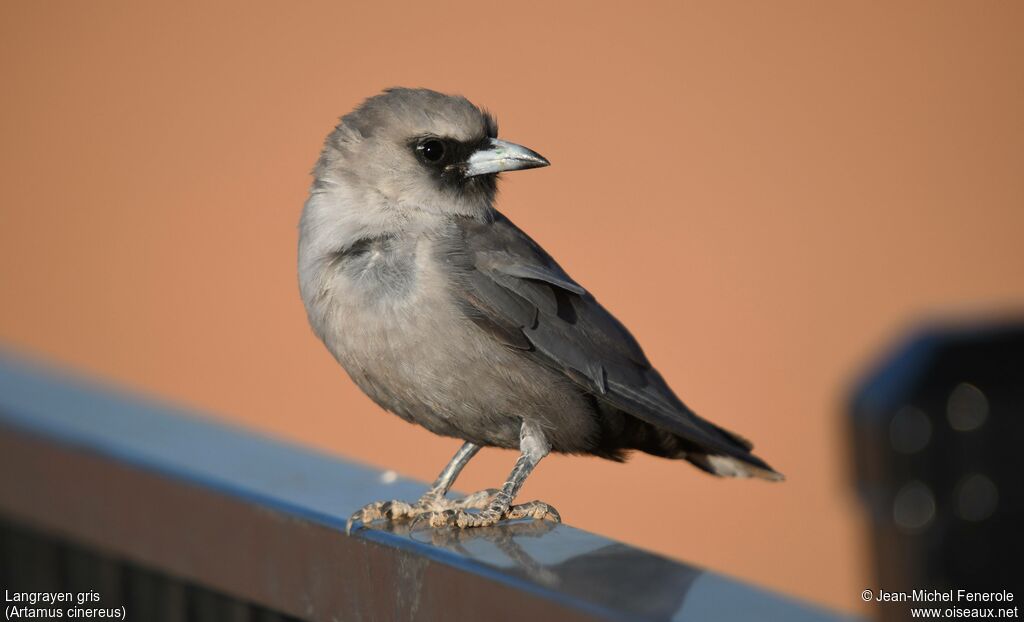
(253,528)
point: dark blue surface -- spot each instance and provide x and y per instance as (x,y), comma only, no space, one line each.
(895,375)
(576,568)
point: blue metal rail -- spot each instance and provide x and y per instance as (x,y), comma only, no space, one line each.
(263,521)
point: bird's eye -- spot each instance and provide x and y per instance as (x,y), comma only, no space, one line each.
(431,150)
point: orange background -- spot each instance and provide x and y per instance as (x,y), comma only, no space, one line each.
(766,193)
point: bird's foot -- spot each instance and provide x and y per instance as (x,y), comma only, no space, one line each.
(492,515)
(429,504)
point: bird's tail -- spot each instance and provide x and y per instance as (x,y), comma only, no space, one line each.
(741,464)
(735,461)
(727,466)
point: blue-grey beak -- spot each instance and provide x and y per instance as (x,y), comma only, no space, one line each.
(497,156)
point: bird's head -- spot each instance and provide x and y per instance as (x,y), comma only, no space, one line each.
(419,150)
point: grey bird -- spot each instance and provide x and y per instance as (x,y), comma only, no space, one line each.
(449,316)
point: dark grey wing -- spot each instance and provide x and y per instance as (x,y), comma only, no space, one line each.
(513,289)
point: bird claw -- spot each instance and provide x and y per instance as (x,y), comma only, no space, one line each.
(460,518)
(389,510)
(427,505)
(537,510)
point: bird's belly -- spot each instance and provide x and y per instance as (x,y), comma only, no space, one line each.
(420,358)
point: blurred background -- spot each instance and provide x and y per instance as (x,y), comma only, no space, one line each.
(766,194)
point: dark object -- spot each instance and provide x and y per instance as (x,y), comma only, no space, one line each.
(938,431)
(161,499)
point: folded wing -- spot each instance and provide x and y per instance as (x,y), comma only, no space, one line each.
(521,296)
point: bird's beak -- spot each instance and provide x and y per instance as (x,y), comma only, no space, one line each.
(497,156)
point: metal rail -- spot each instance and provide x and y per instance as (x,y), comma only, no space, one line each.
(259,521)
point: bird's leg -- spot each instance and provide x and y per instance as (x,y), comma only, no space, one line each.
(533,446)
(433,500)
(449,474)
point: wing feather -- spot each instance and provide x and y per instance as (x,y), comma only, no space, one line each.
(523,297)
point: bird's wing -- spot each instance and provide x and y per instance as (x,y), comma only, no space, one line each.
(513,289)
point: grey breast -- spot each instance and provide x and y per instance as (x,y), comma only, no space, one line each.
(405,340)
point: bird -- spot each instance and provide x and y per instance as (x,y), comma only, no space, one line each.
(448,315)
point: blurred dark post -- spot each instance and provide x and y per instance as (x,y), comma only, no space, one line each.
(937,437)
